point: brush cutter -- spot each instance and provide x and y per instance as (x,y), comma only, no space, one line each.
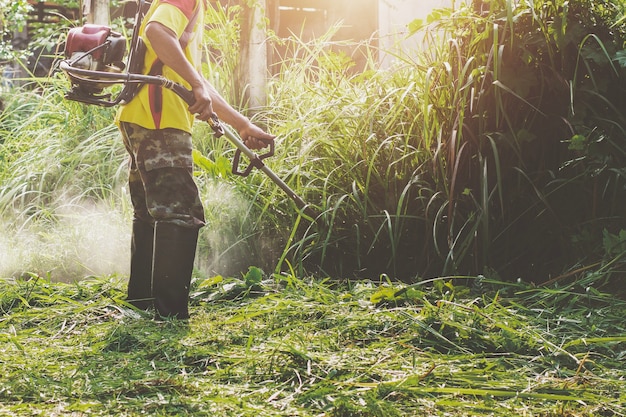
(93,61)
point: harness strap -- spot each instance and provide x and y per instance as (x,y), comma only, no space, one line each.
(156,91)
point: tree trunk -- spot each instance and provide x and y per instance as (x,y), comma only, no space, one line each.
(97,12)
(252,68)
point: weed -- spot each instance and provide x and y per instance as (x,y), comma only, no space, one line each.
(300,347)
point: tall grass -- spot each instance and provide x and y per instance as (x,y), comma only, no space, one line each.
(53,146)
(61,183)
(462,158)
(496,150)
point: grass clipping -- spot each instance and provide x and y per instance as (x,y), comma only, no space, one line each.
(291,347)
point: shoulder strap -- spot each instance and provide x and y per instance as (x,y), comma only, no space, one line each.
(186,36)
(157,66)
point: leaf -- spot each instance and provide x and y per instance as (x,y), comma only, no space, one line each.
(383,294)
(253,276)
(577,143)
(415,26)
(218,168)
(202,161)
(614,244)
(209,282)
(620,58)
(524,135)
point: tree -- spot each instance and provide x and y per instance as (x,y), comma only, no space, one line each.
(98,12)
(13,16)
(252,67)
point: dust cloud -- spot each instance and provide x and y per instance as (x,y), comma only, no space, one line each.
(220,242)
(75,241)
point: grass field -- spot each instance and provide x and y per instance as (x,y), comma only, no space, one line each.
(499,150)
(280,346)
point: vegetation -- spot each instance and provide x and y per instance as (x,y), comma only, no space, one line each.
(498,150)
(12,17)
(284,346)
(501,149)
(468,258)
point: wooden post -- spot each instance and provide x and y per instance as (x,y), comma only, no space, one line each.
(97,12)
(252,69)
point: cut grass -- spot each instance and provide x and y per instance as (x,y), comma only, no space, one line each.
(291,347)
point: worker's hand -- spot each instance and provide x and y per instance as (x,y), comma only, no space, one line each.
(203,105)
(254,137)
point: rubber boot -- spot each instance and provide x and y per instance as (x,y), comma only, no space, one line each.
(140,281)
(174,254)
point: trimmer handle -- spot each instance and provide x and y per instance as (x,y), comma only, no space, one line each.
(255,162)
(216,125)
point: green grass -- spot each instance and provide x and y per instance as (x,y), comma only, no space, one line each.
(442,164)
(496,150)
(290,347)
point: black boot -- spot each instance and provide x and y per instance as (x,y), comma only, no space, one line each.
(140,281)
(174,254)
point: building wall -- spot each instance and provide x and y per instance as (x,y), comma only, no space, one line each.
(381,23)
(354,20)
(393,19)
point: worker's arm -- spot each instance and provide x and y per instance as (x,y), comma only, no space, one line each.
(168,49)
(207,99)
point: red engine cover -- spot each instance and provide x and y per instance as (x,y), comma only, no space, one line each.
(85,38)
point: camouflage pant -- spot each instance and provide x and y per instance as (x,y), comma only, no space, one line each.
(160,180)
